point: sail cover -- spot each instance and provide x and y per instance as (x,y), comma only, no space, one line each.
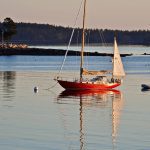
(118,70)
(93,72)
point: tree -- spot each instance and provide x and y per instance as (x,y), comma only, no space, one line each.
(8,29)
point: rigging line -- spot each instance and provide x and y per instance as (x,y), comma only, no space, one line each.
(70,38)
(102,37)
(88,47)
(101,32)
(51,87)
(87,53)
(78,32)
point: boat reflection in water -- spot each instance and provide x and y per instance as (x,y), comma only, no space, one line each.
(100,99)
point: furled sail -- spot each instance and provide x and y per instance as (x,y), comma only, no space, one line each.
(101,72)
(118,70)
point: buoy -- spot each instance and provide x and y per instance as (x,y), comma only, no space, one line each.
(35,89)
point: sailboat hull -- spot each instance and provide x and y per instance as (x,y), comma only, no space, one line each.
(69,85)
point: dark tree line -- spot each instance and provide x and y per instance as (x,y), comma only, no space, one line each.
(45,34)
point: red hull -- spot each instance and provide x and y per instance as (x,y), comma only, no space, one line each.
(68,85)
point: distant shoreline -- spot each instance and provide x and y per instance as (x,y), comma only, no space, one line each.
(50,52)
(45,34)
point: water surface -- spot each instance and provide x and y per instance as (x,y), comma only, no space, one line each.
(53,119)
(58,119)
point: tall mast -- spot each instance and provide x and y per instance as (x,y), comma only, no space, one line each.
(83,41)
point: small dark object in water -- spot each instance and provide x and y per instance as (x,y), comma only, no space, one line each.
(145,90)
(35,89)
(145,87)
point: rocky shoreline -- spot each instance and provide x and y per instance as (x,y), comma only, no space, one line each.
(49,52)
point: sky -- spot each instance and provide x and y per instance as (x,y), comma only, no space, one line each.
(102,14)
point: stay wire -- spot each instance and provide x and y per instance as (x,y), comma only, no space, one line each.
(67,46)
(70,39)
(51,87)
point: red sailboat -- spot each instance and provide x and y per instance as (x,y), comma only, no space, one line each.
(100,81)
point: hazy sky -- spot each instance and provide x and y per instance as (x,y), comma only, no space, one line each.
(111,14)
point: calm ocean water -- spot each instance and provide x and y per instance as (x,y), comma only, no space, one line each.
(53,119)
